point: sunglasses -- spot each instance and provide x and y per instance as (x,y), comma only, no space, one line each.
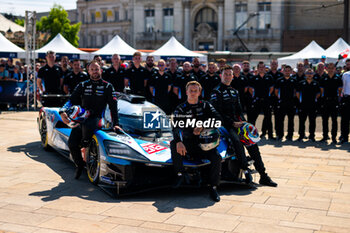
(309,73)
(160,65)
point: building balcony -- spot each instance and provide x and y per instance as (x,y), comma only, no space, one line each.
(247,34)
(158,35)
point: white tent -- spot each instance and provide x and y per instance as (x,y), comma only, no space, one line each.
(9,49)
(116,45)
(312,52)
(338,47)
(62,48)
(174,48)
(6,24)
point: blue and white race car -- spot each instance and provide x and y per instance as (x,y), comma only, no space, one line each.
(137,159)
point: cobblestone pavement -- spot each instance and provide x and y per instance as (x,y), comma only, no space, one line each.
(38,193)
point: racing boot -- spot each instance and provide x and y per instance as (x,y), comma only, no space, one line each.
(78,172)
(266,180)
(214,195)
(180,178)
(248,176)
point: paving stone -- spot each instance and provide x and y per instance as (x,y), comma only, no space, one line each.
(299,225)
(263,213)
(79,206)
(20,217)
(161,226)
(123,221)
(299,203)
(246,227)
(93,217)
(45,230)
(325,220)
(130,229)
(213,223)
(77,225)
(198,230)
(10,227)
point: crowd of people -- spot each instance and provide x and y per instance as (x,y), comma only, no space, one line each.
(268,89)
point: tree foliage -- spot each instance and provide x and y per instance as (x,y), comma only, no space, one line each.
(20,22)
(57,22)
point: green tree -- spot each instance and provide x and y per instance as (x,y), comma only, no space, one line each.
(20,22)
(57,22)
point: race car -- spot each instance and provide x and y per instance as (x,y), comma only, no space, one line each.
(139,157)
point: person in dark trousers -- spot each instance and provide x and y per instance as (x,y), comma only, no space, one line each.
(209,81)
(180,82)
(150,67)
(137,76)
(331,88)
(186,140)
(274,71)
(160,86)
(50,80)
(173,72)
(92,95)
(345,106)
(115,74)
(300,75)
(72,79)
(308,92)
(225,100)
(260,89)
(285,90)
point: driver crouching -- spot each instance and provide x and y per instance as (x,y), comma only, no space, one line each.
(186,137)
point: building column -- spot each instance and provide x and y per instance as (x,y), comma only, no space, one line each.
(187,23)
(220,24)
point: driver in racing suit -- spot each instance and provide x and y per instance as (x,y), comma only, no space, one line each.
(226,101)
(186,139)
(93,95)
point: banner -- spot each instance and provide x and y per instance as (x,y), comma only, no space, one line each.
(13,92)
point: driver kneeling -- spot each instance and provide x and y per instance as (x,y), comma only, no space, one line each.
(186,137)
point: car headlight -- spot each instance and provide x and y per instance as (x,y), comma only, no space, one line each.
(122,151)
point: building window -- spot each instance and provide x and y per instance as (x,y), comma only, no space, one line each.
(104,39)
(83,18)
(92,40)
(92,17)
(168,21)
(116,15)
(126,15)
(207,15)
(149,13)
(241,14)
(264,19)
(104,16)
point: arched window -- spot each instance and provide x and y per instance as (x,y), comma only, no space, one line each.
(207,15)
(264,49)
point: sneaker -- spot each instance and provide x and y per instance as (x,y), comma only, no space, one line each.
(300,139)
(78,172)
(272,138)
(279,138)
(334,141)
(312,139)
(213,193)
(289,138)
(179,180)
(343,141)
(248,176)
(266,180)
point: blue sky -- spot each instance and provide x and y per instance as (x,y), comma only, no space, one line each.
(18,7)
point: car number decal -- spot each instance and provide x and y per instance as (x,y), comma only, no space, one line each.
(152,148)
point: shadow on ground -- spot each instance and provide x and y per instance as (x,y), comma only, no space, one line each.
(165,200)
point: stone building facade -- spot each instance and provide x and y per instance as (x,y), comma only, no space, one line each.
(198,24)
(264,25)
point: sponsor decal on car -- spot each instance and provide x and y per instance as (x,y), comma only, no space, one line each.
(152,148)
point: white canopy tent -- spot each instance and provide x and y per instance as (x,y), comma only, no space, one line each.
(116,45)
(9,49)
(312,52)
(338,47)
(62,48)
(174,48)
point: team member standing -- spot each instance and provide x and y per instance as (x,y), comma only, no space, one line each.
(160,86)
(331,88)
(308,91)
(225,100)
(196,71)
(274,71)
(181,81)
(93,95)
(240,83)
(136,76)
(300,75)
(260,89)
(345,106)
(72,79)
(173,72)
(209,81)
(186,140)
(285,90)
(115,74)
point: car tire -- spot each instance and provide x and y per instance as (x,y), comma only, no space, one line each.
(93,161)
(43,132)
